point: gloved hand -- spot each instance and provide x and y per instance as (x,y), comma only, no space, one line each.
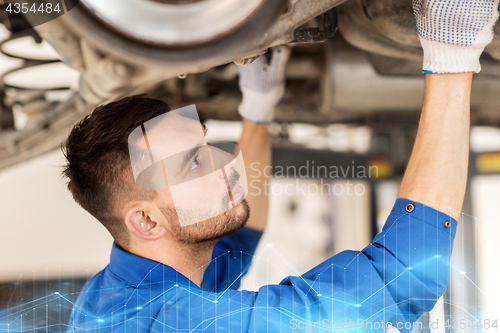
(263,86)
(453,33)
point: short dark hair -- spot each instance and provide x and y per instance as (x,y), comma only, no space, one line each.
(98,165)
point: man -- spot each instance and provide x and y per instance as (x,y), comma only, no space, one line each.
(157,281)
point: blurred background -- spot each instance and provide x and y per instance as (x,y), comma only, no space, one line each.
(341,140)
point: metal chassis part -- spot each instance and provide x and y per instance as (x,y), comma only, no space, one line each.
(99,53)
(386,28)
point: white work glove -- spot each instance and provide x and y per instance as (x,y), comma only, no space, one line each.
(453,33)
(263,86)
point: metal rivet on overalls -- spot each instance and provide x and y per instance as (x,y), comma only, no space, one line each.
(410,208)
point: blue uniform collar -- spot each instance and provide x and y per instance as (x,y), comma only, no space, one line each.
(141,272)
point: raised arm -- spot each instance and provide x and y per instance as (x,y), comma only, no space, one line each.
(437,172)
(453,35)
(255,145)
(262,85)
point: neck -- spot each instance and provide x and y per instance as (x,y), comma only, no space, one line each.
(191,260)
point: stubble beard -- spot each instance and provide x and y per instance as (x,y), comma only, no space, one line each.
(211,230)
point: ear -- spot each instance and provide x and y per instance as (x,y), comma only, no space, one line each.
(140,222)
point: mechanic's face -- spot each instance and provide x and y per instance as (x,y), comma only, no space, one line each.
(205,185)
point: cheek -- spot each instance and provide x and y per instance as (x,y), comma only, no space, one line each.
(201,196)
(202,188)
(212,187)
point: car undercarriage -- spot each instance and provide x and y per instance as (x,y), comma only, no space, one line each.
(353,62)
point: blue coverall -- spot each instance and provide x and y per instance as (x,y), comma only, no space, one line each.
(393,280)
